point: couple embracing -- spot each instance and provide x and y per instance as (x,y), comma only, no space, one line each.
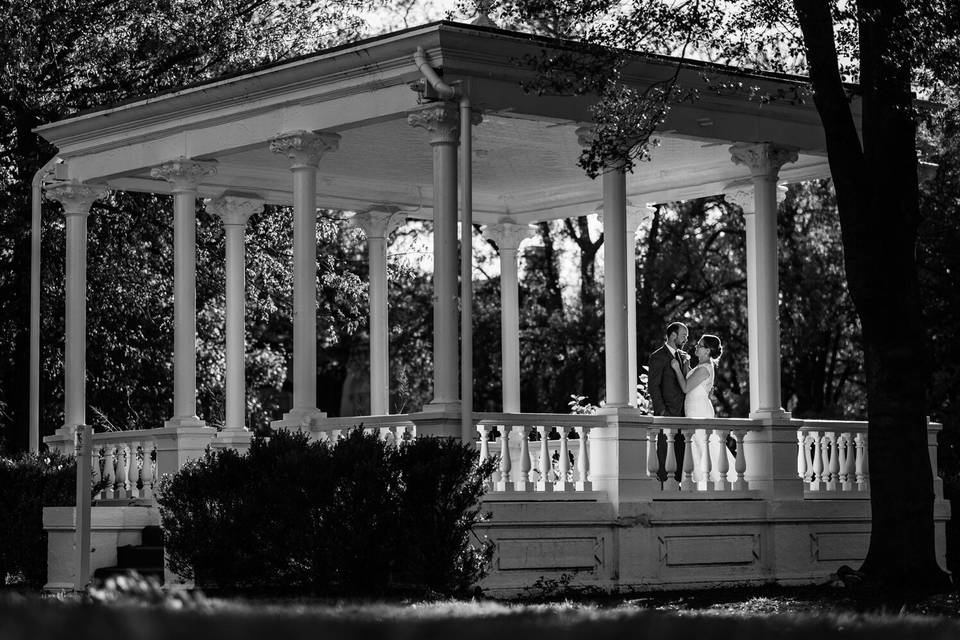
(677,388)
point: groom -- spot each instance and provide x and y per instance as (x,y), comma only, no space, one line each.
(665,392)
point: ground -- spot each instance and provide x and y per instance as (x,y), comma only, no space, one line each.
(821,612)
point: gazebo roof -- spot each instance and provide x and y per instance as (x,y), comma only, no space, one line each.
(525,150)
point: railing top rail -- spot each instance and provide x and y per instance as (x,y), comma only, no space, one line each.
(540,419)
(855,426)
(718,423)
(368,422)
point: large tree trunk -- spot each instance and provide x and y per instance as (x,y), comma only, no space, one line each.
(878,203)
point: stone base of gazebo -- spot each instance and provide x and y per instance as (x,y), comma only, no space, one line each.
(614,501)
(543,546)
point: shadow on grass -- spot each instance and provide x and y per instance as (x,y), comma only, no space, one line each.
(728,614)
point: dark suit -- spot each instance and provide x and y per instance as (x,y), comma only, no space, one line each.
(665,391)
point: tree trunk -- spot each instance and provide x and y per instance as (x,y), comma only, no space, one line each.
(879,228)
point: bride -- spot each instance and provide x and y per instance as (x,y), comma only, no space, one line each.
(699,381)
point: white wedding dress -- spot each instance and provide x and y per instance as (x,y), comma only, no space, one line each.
(697,404)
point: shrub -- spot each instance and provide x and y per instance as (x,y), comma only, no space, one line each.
(439,506)
(355,517)
(29,483)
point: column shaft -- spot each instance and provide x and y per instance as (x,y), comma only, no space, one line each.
(379,336)
(615,286)
(752,321)
(445,270)
(510,329)
(304,288)
(75,352)
(236,413)
(184,306)
(767,288)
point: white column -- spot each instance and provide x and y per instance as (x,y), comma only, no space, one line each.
(378,224)
(635,215)
(76,199)
(744,199)
(184,175)
(235,211)
(443,123)
(304,149)
(615,286)
(614,279)
(508,235)
(764,161)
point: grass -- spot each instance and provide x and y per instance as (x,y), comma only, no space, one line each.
(783,614)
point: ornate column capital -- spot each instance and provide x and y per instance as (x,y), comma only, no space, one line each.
(508,234)
(305,148)
(235,209)
(442,121)
(183,173)
(743,197)
(75,197)
(764,159)
(378,222)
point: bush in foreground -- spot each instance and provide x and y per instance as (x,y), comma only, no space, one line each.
(360,516)
(29,483)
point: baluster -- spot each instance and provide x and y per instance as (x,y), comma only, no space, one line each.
(740,464)
(385,434)
(135,469)
(505,464)
(485,451)
(863,463)
(830,461)
(123,470)
(653,462)
(583,461)
(834,463)
(723,463)
(147,469)
(484,432)
(817,478)
(846,462)
(801,458)
(109,471)
(563,464)
(686,484)
(544,483)
(671,484)
(523,482)
(808,455)
(95,470)
(399,433)
(710,484)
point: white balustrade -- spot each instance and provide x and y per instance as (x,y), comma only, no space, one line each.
(127,465)
(708,465)
(558,459)
(832,458)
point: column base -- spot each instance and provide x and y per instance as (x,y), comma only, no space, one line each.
(767,414)
(299,418)
(238,439)
(442,407)
(185,421)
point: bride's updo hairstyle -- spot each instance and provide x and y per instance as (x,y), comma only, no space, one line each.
(712,343)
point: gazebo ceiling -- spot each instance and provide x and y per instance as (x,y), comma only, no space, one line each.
(524,152)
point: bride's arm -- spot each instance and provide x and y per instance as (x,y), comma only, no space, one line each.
(699,375)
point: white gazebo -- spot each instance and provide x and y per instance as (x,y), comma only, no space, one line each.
(373,128)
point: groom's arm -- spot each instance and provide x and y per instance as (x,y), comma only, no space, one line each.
(654,380)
